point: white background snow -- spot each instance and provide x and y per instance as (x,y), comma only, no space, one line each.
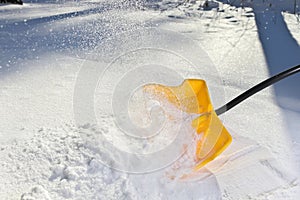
(53,52)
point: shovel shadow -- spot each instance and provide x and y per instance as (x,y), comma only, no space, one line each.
(281,52)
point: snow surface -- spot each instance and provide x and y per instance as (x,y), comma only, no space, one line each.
(63,61)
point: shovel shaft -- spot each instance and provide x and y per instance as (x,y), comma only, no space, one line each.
(257,88)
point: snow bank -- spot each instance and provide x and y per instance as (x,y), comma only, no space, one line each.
(56,164)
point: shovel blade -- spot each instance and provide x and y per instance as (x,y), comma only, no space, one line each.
(192,97)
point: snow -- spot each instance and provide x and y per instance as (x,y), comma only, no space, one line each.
(70,69)
(55,165)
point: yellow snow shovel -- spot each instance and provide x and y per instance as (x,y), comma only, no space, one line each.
(192,97)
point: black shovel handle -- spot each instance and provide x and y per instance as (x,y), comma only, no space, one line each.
(257,88)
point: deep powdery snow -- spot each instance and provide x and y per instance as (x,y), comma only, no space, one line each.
(61,63)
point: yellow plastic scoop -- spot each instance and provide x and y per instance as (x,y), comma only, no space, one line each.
(192,97)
